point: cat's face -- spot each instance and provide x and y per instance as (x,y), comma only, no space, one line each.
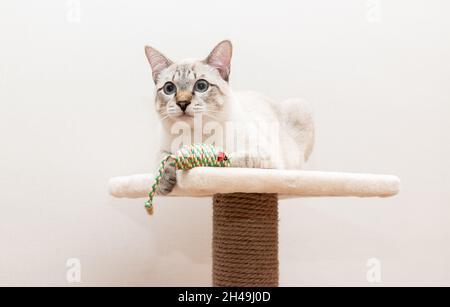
(191,87)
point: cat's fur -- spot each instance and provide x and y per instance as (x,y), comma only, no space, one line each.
(289,122)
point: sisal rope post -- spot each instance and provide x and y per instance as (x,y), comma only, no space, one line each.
(245,240)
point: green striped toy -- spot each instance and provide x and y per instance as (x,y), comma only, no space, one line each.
(189,156)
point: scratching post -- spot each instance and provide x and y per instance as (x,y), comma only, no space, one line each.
(245,210)
(245,240)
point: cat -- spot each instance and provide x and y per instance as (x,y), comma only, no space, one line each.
(194,97)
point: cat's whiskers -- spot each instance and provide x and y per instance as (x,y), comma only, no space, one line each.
(214,111)
(213,117)
(164,117)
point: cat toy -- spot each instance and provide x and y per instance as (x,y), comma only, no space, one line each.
(189,156)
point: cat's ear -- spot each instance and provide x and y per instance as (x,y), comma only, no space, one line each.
(157,60)
(220,58)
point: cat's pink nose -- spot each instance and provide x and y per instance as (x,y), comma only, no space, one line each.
(183,105)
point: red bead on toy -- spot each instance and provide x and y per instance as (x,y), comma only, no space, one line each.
(220,156)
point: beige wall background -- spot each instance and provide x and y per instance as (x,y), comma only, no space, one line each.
(76,109)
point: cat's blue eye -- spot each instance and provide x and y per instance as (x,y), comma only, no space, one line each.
(169,88)
(201,86)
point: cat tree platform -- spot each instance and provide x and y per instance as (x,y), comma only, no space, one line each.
(245,210)
(207,181)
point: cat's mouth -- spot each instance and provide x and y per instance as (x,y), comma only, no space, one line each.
(182,116)
(187,114)
(177,113)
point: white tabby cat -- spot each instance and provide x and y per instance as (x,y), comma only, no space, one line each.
(257,131)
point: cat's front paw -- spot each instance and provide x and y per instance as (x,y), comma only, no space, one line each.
(252,160)
(168,180)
